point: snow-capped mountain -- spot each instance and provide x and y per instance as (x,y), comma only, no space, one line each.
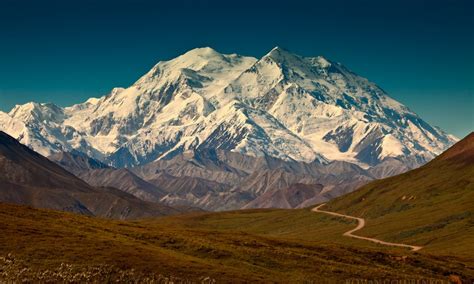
(282,105)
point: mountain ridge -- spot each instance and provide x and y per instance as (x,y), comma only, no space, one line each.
(28,178)
(281,105)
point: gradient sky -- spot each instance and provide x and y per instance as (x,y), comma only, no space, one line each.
(420,51)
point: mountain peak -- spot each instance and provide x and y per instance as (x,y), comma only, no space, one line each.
(43,110)
(279,51)
(27,106)
(203,52)
(284,57)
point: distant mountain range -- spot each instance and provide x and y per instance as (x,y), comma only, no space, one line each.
(221,132)
(282,105)
(221,180)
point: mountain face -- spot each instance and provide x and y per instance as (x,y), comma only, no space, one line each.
(76,162)
(98,174)
(282,105)
(30,179)
(222,180)
(295,196)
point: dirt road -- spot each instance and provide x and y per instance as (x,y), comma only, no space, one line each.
(360,225)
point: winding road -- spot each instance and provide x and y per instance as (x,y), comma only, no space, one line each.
(360,225)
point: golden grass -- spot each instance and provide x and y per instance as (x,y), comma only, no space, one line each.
(431,206)
(240,246)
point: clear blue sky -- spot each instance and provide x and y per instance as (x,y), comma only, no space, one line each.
(419,51)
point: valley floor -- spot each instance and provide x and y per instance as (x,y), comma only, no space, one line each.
(238,246)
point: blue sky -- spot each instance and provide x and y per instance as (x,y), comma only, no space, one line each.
(421,52)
